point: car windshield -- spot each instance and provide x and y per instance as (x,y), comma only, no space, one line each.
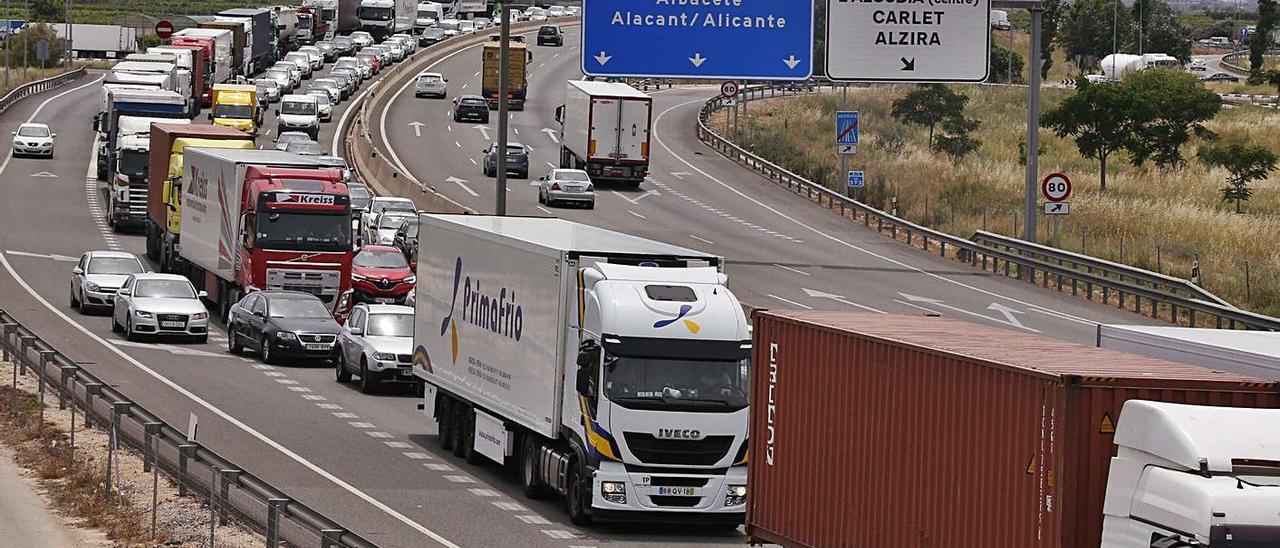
(575,176)
(390,325)
(676,381)
(33,131)
(430,79)
(288,137)
(298,107)
(377,258)
(474,102)
(277,75)
(114,265)
(267,83)
(326,83)
(321,95)
(133,163)
(360,196)
(515,150)
(547,30)
(391,222)
(164,289)
(346,63)
(364,35)
(224,110)
(297,308)
(392,205)
(433,33)
(304,232)
(305,148)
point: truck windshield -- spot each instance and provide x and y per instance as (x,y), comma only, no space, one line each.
(721,384)
(224,110)
(375,14)
(304,231)
(133,163)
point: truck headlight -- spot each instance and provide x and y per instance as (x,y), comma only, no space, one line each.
(614,491)
(286,336)
(736,495)
(384,357)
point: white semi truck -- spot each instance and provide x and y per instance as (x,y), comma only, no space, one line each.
(1252,353)
(612,369)
(604,129)
(1118,65)
(1191,475)
(382,18)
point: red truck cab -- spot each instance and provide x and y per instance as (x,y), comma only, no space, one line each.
(205,45)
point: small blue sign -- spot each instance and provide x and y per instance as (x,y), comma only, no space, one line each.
(847,127)
(726,39)
(855,179)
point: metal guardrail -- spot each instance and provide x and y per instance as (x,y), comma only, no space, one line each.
(1232,59)
(194,466)
(1094,282)
(32,88)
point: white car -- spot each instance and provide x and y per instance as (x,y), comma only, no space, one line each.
(33,140)
(466,26)
(383,229)
(271,87)
(97,276)
(1199,65)
(316,56)
(283,139)
(377,345)
(409,42)
(302,60)
(556,11)
(324,102)
(450,27)
(160,304)
(382,204)
(362,39)
(566,186)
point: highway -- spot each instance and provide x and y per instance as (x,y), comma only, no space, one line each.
(373,462)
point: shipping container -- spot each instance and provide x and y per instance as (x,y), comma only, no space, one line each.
(872,430)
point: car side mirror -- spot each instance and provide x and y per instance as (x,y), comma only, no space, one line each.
(124,292)
(77,271)
(277,112)
(202,294)
(542,178)
(259,313)
(357,332)
(54,136)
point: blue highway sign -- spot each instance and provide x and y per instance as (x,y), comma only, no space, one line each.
(847,127)
(855,179)
(721,39)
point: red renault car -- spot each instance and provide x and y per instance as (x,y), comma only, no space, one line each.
(380,274)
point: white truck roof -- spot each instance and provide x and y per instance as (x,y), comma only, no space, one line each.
(562,235)
(1188,434)
(1254,353)
(147,96)
(608,89)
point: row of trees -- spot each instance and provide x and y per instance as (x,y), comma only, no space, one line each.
(1089,30)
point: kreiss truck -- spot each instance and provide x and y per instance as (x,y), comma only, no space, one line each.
(164,182)
(604,129)
(126,123)
(382,18)
(518,56)
(264,219)
(612,369)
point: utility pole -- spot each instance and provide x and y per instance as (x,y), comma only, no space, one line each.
(1032,188)
(504,66)
(8,51)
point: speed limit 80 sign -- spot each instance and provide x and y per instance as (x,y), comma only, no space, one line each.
(1056,187)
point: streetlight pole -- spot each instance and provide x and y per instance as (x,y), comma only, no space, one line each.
(504,66)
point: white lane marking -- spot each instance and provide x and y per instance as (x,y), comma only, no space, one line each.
(703,240)
(840,299)
(662,143)
(938,303)
(175,350)
(545,210)
(481,492)
(533,520)
(313,397)
(449,126)
(328,406)
(438,466)
(460,479)
(791,302)
(459,145)
(559,534)
(346,415)
(913,305)
(473,161)
(380,435)
(551,165)
(50,256)
(477,73)
(417,456)
(462,183)
(223,414)
(273,373)
(299,389)
(286,381)
(358,424)
(510,506)
(261,366)
(397,444)
(789,269)
(636,214)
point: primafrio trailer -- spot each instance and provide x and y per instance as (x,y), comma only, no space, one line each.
(611,368)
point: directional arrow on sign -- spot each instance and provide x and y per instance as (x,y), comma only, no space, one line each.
(697,60)
(791,61)
(43,174)
(462,183)
(483,131)
(551,133)
(603,59)
(1004,310)
(840,299)
(417,128)
(908,64)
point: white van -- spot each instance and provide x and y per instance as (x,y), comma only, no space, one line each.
(299,113)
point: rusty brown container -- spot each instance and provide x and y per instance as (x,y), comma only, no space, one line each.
(162,138)
(900,431)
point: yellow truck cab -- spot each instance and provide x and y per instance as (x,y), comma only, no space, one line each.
(172,199)
(235,106)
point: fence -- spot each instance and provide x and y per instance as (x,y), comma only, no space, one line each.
(229,489)
(1083,276)
(38,86)
(1234,60)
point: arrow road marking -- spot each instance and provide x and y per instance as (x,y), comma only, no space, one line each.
(483,131)
(602,58)
(51,256)
(1008,314)
(909,65)
(839,299)
(791,61)
(697,60)
(462,183)
(417,128)
(1011,322)
(680,174)
(43,174)
(637,198)
(552,134)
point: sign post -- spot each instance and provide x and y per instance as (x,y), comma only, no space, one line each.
(729,90)
(847,132)
(742,40)
(1056,189)
(908,42)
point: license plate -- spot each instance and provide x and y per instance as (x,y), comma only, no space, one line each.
(385,300)
(317,346)
(172,324)
(678,491)
(406,372)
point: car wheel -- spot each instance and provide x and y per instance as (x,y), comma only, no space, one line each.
(266,352)
(340,368)
(74,303)
(129,335)
(574,497)
(233,345)
(202,339)
(529,468)
(367,383)
(115,326)
(541,200)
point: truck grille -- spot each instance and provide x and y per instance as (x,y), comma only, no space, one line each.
(675,502)
(321,283)
(703,452)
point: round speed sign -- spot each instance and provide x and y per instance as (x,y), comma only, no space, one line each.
(729,89)
(1056,187)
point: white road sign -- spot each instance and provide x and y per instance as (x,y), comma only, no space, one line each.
(1057,208)
(908,40)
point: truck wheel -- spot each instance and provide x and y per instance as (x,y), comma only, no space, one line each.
(529,450)
(574,499)
(462,435)
(444,423)
(153,243)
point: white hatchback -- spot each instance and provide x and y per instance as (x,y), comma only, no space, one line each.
(33,140)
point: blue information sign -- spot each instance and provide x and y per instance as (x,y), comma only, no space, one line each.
(727,39)
(847,127)
(855,179)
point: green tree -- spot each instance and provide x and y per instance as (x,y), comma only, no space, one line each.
(1156,29)
(46,10)
(24,46)
(928,106)
(1168,107)
(1050,22)
(1245,162)
(1268,16)
(956,140)
(1088,28)
(1098,116)
(1002,60)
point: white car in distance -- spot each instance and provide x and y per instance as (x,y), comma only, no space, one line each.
(376,344)
(33,139)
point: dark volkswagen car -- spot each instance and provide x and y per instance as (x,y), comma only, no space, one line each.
(550,35)
(471,108)
(282,324)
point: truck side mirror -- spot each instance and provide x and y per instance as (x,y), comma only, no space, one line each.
(211,115)
(584,381)
(560,114)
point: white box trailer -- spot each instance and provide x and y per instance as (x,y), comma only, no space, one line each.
(579,351)
(222,54)
(605,130)
(1252,353)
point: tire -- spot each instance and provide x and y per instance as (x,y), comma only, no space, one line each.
(340,368)
(265,352)
(115,326)
(74,302)
(573,499)
(202,339)
(129,335)
(153,244)
(460,433)
(233,345)
(444,423)
(368,384)
(528,471)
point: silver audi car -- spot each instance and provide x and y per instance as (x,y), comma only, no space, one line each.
(160,304)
